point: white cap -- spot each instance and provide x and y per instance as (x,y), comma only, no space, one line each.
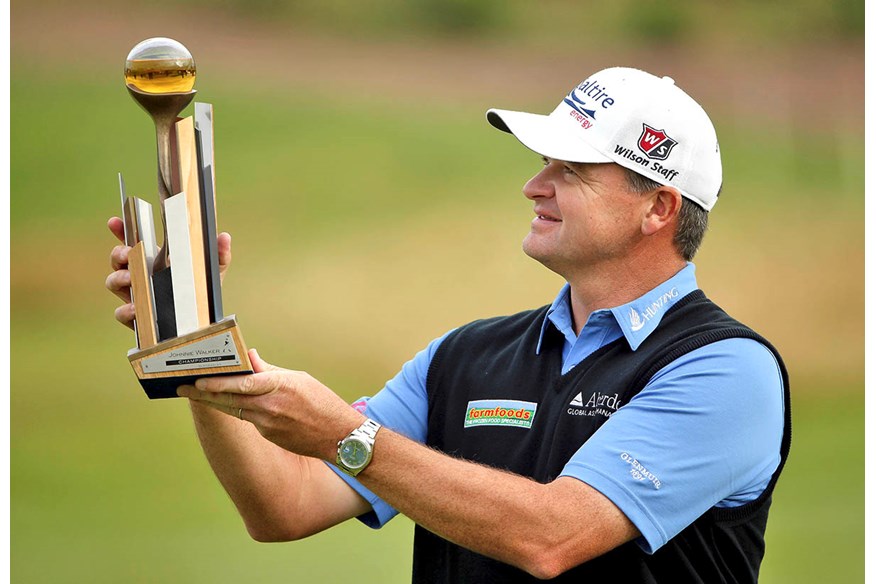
(633,118)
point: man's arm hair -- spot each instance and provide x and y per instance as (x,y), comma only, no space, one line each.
(544,529)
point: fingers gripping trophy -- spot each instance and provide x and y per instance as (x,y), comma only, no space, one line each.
(180,329)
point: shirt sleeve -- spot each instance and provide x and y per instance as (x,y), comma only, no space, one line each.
(403,406)
(705,431)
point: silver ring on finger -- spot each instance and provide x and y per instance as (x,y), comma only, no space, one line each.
(240,413)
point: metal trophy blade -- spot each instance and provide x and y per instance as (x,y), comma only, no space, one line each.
(180,329)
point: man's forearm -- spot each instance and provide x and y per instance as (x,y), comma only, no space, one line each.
(254,472)
(544,529)
(281,496)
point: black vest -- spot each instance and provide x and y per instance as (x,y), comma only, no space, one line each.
(495,359)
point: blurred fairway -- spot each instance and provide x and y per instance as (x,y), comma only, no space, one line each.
(343,213)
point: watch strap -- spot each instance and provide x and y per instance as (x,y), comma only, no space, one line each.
(369,428)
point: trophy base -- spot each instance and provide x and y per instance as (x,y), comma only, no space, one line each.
(215,350)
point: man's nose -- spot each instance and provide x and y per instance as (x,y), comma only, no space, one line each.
(539,186)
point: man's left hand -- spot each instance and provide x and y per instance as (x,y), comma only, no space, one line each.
(289,408)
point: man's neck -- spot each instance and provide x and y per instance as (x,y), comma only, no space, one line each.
(599,289)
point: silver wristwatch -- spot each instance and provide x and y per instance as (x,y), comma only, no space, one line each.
(355,451)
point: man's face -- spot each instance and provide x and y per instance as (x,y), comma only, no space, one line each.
(586,216)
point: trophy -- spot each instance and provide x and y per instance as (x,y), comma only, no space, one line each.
(179,325)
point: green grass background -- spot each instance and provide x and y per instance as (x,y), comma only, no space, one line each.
(341,216)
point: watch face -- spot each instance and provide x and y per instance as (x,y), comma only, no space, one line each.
(354,453)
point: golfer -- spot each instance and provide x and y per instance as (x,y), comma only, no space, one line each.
(628,431)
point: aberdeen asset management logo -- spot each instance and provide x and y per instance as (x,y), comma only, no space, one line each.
(656,144)
(596,404)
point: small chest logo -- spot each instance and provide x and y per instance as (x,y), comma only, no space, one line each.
(656,144)
(597,404)
(499,412)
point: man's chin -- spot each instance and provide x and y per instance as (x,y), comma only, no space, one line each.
(542,256)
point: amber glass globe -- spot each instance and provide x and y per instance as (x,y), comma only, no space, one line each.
(160,65)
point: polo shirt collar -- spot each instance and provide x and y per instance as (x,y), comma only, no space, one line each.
(637,319)
(560,315)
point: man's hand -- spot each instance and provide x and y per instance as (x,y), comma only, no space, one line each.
(119,281)
(290,408)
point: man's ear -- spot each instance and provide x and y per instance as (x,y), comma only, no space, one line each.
(665,204)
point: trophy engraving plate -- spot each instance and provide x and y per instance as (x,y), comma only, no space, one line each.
(208,353)
(218,349)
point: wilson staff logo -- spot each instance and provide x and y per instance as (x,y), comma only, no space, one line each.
(656,144)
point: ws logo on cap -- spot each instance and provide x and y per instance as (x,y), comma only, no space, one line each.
(656,144)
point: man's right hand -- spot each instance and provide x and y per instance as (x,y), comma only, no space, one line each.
(119,281)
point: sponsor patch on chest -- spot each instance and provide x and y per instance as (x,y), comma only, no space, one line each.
(500,412)
(595,404)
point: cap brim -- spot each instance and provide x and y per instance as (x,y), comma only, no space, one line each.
(546,135)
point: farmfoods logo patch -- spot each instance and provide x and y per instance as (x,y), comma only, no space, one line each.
(499,412)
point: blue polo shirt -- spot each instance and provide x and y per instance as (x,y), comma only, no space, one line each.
(710,423)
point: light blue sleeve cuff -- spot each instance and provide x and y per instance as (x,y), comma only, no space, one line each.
(380,512)
(653,537)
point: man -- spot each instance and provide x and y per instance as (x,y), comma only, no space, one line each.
(630,431)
